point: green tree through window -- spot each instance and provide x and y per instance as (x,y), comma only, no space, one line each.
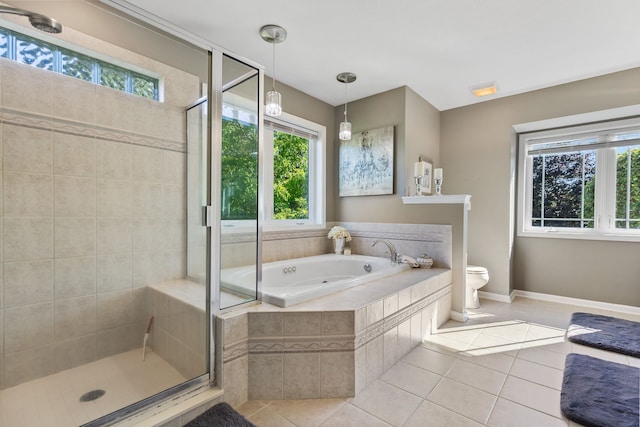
(563,187)
(290,176)
(240,172)
(628,188)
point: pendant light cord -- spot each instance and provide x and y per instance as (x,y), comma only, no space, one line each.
(273,86)
(345,102)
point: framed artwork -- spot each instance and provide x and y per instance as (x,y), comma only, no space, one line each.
(366,163)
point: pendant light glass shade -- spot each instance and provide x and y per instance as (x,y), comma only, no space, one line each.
(273,103)
(345,131)
(273,34)
(345,127)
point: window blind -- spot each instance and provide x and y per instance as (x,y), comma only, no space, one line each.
(592,141)
(283,126)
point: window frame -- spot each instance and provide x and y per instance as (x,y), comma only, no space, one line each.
(605,194)
(317,190)
(60,50)
(317,180)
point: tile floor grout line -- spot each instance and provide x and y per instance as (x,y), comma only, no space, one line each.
(368,413)
(529,407)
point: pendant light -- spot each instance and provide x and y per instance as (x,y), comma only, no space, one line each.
(273,34)
(345,126)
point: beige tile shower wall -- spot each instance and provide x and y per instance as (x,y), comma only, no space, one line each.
(178,333)
(92,209)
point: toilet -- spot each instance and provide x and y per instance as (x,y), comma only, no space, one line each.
(477,277)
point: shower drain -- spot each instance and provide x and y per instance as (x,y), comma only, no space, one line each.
(92,395)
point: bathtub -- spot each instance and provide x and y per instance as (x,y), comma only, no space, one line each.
(293,281)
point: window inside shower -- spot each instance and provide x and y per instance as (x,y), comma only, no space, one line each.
(39,53)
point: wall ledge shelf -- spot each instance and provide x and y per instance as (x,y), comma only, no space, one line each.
(449,199)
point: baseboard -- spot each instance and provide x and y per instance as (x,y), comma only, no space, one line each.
(496,297)
(577,301)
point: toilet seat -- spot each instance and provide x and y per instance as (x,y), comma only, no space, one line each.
(476,269)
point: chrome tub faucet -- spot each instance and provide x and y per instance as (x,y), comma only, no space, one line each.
(393,253)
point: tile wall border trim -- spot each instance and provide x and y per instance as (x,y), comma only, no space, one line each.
(417,236)
(235,351)
(331,343)
(70,127)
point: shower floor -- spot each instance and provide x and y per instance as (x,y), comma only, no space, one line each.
(55,400)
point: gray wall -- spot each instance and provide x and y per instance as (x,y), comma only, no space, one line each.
(384,109)
(416,132)
(476,152)
(422,137)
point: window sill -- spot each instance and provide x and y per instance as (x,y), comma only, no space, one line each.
(611,237)
(292,227)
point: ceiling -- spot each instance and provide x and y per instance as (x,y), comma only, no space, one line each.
(438,48)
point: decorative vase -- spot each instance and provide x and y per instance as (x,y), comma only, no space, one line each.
(338,246)
(424,261)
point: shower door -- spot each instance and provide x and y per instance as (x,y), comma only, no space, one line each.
(239,180)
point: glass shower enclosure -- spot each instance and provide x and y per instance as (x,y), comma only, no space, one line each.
(115,220)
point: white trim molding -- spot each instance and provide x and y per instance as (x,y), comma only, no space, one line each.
(578,301)
(496,297)
(564,300)
(459,317)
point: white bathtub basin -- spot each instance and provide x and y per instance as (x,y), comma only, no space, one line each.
(293,281)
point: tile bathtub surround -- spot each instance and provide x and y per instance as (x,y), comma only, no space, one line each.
(91,212)
(409,239)
(333,346)
(500,369)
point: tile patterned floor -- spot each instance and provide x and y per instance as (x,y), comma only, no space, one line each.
(502,368)
(53,401)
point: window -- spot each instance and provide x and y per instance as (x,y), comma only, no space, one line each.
(294,172)
(294,193)
(38,53)
(581,182)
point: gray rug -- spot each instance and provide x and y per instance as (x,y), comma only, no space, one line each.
(221,415)
(599,393)
(607,333)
